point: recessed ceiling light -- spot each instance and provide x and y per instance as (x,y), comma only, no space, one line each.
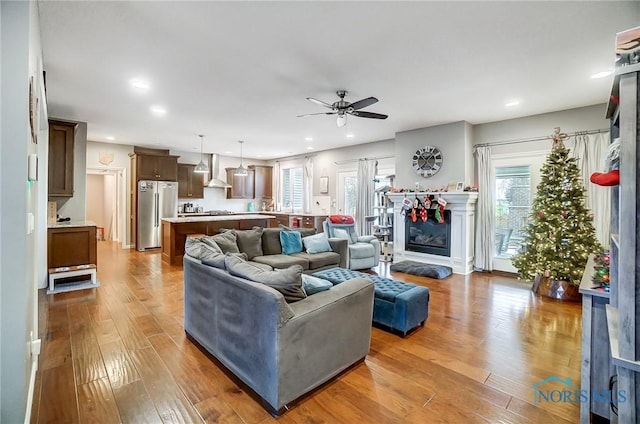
(258,156)
(228,153)
(350,136)
(158,110)
(308,138)
(110,137)
(139,84)
(512,103)
(309,148)
(601,74)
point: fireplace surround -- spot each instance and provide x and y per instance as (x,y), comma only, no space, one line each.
(429,236)
(461,207)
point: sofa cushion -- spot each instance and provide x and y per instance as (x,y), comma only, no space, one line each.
(304,232)
(271,241)
(286,281)
(316,243)
(217,261)
(282,261)
(361,251)
(291,242)
(313,285)
(319,260)
(250,242)
(227,241)
(197,249)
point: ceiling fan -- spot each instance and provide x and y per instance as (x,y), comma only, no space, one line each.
(343,108)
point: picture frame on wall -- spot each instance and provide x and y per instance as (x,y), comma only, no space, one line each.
(33,111)
(324,185)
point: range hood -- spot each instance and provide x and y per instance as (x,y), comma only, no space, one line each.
(214,170)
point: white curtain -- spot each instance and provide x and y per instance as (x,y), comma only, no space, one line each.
(308,184)
(367,170)
(277,206)
(591,152)
(485,212)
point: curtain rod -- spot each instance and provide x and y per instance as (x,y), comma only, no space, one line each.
(295,157)
(357,160)
(524,140)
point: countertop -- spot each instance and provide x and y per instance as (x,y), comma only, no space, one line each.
(215,218)
(295,213)
(69,224)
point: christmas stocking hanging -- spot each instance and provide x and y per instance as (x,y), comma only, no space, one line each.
(440,210)
(423,214)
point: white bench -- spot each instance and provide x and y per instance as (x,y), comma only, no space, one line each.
(72,271)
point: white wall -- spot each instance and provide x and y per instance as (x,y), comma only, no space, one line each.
(121,161)
(19,262)
(453,140)
(326,162)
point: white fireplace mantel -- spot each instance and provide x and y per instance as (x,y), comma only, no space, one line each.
(463,208)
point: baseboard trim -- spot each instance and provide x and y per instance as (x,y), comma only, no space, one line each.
(32,387)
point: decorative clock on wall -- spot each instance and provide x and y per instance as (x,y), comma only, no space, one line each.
(427,161)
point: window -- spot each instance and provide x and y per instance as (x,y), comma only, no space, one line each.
(513,204)
(347,192)
(292,188)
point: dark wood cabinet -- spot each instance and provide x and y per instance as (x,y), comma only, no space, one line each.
(155,167)
(61,139)
(241,187)
(73,245)
(190,184)
(263,176)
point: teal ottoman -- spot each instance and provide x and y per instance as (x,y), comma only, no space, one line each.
(398,305)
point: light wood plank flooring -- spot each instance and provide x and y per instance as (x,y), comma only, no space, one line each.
(119,353)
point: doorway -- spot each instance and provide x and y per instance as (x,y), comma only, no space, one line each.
(515,178)
(106,203)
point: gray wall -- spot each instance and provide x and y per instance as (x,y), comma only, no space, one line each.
(453,140)
(571,120)
(21,58)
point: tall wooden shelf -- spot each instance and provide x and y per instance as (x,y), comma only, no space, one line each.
(623,313)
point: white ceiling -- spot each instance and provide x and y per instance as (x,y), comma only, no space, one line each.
(242,70)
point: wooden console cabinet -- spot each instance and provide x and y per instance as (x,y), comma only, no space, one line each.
(70,244)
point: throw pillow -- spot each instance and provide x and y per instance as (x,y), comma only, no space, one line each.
(304,232)
(250,242)
(208,240)
(217,261)
(227,242)
(313,285)
(291,242)
(316,243)
(287,281)
(271,241)
(198,249)
(341,233)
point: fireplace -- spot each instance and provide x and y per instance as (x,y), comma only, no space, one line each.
(458,231)
(429,237)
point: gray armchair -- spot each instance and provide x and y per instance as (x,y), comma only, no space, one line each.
(363,252)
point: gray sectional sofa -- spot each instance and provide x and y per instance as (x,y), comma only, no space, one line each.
(280,350)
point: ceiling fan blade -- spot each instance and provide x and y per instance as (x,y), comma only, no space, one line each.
(319,102)
(363,103)
(369,115)
(319,113)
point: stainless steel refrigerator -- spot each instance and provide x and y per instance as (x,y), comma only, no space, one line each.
(156,200)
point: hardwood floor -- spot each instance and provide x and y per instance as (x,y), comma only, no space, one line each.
(119,353)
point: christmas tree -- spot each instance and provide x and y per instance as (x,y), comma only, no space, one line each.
(560,235)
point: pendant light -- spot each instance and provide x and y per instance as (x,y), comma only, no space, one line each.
(241,171)
(202,167)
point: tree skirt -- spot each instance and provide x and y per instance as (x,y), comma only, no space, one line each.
(422,269)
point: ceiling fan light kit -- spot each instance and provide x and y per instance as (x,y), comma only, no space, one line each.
(342,108)
(241,171)
(202,167)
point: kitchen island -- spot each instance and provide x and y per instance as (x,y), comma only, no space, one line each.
(176,230)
